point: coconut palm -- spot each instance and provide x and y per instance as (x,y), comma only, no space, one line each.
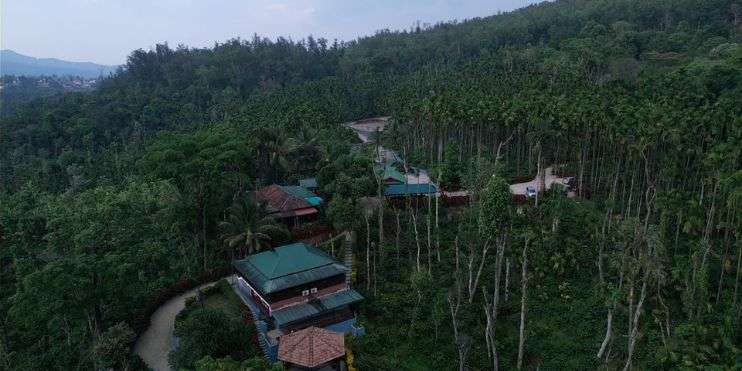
(247,229)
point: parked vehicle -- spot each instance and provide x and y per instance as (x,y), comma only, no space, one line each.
(531,192)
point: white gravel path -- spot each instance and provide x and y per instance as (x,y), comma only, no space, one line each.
(155,343)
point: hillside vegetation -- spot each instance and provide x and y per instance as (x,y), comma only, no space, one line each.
(109,199)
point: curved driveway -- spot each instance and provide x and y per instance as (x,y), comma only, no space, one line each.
(155,343)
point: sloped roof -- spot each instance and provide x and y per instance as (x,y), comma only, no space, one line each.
(279,201)
(287,266)
(395,190)
(301,192)
(417,176)
(313,308)
(311,347)
(388,171)
(308,182)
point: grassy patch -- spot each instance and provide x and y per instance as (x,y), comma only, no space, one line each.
(224,299)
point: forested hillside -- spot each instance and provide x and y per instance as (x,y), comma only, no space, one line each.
(109,199)
(15,91)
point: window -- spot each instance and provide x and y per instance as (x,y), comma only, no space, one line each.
(313,290)
(305,293)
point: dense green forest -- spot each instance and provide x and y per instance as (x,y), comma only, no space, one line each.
(110,199)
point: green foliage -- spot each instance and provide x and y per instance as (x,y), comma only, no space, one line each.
(451,169)
(493,206)
(228,364)
(208,332)
(247,230)
(698,346)
(104,245)
(343,213)
(114,346)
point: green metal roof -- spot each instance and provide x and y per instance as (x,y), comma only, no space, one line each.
(324,304)
(409,189)
(301,192)
(390,172)
(308,182)
(287,266)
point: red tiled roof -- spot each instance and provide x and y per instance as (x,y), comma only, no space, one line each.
(311,347)
(285,204)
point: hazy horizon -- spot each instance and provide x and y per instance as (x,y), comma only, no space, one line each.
(106,31)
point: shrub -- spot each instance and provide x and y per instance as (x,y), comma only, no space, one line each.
(207,332)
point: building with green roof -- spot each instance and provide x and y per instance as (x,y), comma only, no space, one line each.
(303,193)
(296,286)
(309,183)
(389,174)
(287,266)
(404,190)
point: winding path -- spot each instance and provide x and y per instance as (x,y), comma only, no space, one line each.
(156,342)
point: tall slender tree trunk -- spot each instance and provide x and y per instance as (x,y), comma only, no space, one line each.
(634,331)
(736,280)
(474,278)
(538,175)
(507,279)
(381,221)
(396,240)
(417,240)
(203,234)
(490,309)
(454,301)
(581,173)
(429,241)
(724,257)
(368,253)
(608,334)
(437,229)
(523,305)
(631,304)
(375,277)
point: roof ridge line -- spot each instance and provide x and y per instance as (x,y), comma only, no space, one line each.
(310,334)
(302,271)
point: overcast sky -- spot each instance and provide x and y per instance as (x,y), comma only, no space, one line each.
(105,31)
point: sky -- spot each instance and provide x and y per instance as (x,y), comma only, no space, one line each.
(106,31)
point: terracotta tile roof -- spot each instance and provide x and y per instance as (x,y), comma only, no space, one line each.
(311,347)
(278,201)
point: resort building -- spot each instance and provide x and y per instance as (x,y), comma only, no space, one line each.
(293,287)
(293,205)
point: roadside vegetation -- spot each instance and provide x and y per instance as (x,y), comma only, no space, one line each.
(213,326)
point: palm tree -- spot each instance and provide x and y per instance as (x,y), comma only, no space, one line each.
(303,151)
(247,229)
(286,155)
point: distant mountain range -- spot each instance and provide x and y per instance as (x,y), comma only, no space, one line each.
(12,63)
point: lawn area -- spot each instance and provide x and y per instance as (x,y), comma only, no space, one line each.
(221,297)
